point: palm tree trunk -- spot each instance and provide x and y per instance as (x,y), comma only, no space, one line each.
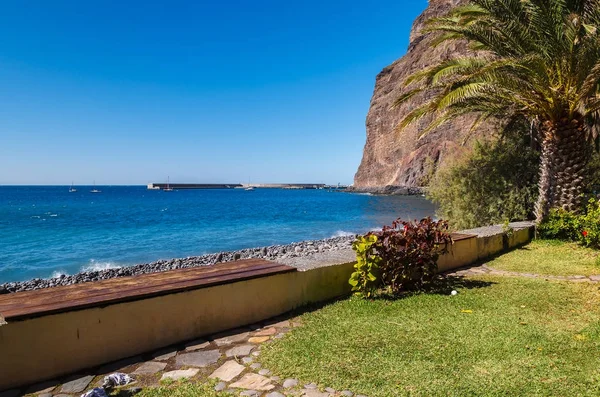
(565,154)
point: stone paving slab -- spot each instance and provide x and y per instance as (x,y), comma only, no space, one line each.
(266,332)
(229,338)
(150,368)
(289,383)
(239,351)
(228,371)
(180,374)
(259,339)
(253,381)
(76,385)
(198,359)
(197,345)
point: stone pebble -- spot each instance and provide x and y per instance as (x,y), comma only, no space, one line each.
(274,252)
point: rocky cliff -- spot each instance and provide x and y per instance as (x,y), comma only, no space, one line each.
(401,158)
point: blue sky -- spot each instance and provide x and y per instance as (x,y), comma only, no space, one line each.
(130,92)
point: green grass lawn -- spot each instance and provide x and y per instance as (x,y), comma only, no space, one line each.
(550,257)
(182,389)
(501,337)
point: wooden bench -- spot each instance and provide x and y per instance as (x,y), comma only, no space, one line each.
(31,304)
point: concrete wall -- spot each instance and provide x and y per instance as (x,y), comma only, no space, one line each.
(476,248)
(46,347)
(50,346)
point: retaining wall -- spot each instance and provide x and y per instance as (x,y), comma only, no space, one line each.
(41,348)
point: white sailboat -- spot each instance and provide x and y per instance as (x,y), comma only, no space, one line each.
(94,190)
(72,189)
(168,188)
(249,187)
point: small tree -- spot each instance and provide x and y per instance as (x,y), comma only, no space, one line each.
(494,183)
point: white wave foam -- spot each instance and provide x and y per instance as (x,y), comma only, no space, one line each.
(95,266)
(342,233)
(58,273)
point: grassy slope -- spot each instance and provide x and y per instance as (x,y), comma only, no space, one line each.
(523,337)
(550,257)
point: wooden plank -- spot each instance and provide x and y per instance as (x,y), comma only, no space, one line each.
(121,289)
(150,278)
(75,303)
(30,304)
(127,286)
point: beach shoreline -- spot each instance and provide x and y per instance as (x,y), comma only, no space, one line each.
(293,254)
(389,190)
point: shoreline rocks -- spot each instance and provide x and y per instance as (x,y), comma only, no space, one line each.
(389,190)
(274,253)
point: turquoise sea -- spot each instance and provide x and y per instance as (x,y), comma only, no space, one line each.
(46,231)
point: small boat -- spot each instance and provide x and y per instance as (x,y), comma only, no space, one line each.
(248,187)
(72,189)
(94,190)
(168,188)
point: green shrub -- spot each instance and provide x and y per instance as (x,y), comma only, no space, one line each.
(365,278)
(560,225)
(400,257)
(564,225)
(590,222)
(495,183)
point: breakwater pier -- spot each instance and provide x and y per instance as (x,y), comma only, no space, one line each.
(185,186)
(181,186)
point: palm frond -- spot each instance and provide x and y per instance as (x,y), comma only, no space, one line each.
(538,59)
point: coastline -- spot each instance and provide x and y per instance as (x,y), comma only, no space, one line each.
(293,254)
(389,190)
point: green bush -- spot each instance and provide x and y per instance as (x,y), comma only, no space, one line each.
(400,257)
(365,278)
(564,225)
(495,183)
(590,222)
(560,225)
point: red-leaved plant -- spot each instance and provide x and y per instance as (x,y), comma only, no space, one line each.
(405,253)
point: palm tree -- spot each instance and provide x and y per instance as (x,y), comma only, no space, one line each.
(538,59)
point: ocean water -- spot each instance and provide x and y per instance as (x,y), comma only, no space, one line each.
(46,231)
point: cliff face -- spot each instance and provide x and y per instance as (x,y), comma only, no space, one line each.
(401,158)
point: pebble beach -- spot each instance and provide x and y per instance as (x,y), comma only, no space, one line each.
(290,254)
